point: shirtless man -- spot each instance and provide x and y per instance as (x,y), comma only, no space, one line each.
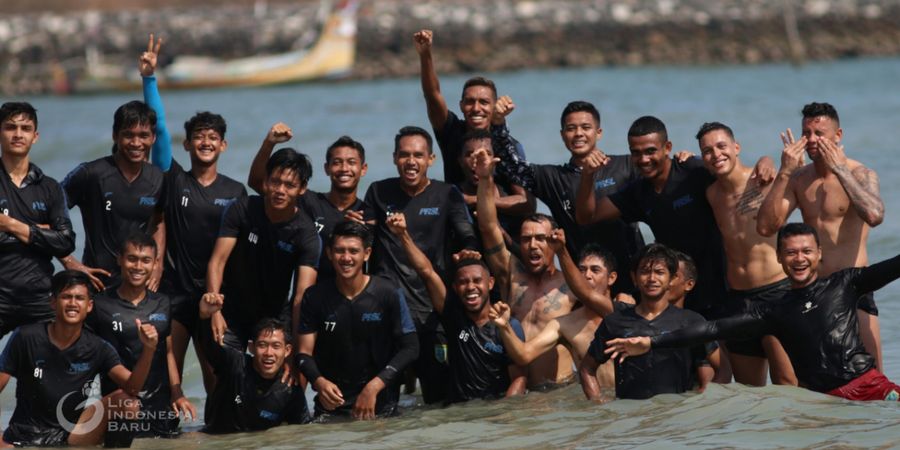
(837,196)
(536,289)
(752,268)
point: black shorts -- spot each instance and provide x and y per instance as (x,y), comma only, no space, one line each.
(739,301)
(14,315)
(867,303)
(185,309)
(431,366)
(22,435)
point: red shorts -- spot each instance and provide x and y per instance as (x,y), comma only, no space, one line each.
(872,385)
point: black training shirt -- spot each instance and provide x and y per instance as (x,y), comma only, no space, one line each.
(325,216)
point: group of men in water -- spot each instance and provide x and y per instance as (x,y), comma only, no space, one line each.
(458,283)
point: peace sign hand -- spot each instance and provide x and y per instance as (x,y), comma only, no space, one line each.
(147,61)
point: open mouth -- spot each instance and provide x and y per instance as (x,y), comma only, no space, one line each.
(472,299)
(72,311)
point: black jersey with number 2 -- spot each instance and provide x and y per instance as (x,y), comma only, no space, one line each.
(325,216)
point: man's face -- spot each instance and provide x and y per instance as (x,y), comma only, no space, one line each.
(413,159)
(679,286)
(73,304)
(345,169)
(537,255)
(467,157)
(133,144)
(269,352)
(719,152)
(137,264)
(649,153)
(282,187)
(348,255)
(653,279)
(205,146)
(580,133)
(473,286)
(818,128)
(17,134)
(799,257)
(594,271)
(477,106)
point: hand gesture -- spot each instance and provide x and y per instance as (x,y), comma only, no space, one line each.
(91,272)
(219,326)
(147,61)
(279,134)
(502,108)
(423,40)
(330,395)
(396,222)
(592,163)
(185,408)
(484,164)
(832,153)
(557,240)
(625,347)
(683,156)
(147,334)
(792,156)
(465,254)
(499,314)
(764,171)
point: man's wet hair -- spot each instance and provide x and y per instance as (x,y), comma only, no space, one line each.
(579,106)
(346,141)
(205,120)
(597,250)
(476,135)
(67,279)
(541,217)
(290,159)
(479,81)
(795,229)
(349,228)
(413,131)
(13,109)
(139,240)
(465,262)
(268,325)
(654,253)
(690,268)
(713,126)
(815,109)
(132,114)
(648,125)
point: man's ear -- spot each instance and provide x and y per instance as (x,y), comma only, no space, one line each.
(612,277)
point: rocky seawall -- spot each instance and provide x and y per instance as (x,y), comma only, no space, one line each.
(38,50)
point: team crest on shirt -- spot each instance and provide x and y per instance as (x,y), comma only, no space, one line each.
(285,246)
(493,347)
(78,367)
(807,307)
(223,202)
(683,201)
(371,317)
(600,184)
(147,201)
(158,317)
(435,211)
(38,206)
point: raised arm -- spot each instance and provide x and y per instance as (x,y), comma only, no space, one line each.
(589,208)
(512,158)
(431,87)
(495,252)
(860,183)
(278,134)
(781,199)
(132,382)
(161,155)
(598,302)
(877,275)
(437,291)
(523,353)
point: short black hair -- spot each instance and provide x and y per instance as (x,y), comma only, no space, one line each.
(139,239)
(579,106)
(479,81)
(476,135)
(205,120)
(69,278)
(290,159)
(412,130)
(648,125)
(472,262)
(656,253)
(815,109)
(795,229)
(134,113)
(597,250)
(268,325)
(690,268)
(346,141)
(541,217)
(12,109)
(349,228)
(713,126)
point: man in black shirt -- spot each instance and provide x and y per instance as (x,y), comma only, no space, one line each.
(662,372)
(357,336)
(816,322)
(263,244)
(436,215)
(34,223)
(250,394)
(118,195)
(479,363)
(55,365)
(345,165)
(113,318)
(480,108)
(557,185)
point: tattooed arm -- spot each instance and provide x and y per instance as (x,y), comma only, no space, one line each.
(861,185)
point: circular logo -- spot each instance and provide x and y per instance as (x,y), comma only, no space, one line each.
(90,390)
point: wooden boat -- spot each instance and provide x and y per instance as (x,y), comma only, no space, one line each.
(330,56)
